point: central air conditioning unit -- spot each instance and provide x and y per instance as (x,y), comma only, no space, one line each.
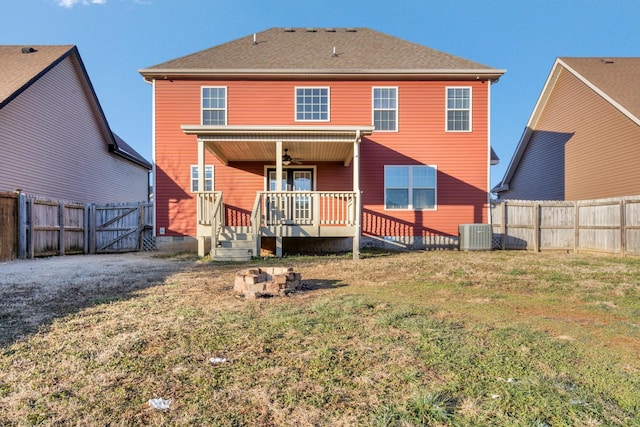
(474,237)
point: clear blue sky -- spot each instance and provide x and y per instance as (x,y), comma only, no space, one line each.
(117,37)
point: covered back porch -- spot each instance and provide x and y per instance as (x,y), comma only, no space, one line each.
(282,208)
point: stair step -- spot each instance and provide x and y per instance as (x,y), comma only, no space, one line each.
(231,254)
(235,236)
(239,244)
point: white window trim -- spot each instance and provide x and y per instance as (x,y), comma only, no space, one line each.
(446,109)
(295,103)
(213,176)
(373,109)
(226,101)
(410,207)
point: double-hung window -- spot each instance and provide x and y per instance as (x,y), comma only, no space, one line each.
(214,105)
(410,187)
(458,109)
(208,178)
(385,108)
(312,104)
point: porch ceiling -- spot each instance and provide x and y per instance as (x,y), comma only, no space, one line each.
(258,143)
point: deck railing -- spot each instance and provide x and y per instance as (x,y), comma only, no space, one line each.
(209,207)
(305,208)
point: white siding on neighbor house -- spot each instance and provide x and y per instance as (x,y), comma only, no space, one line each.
(51,144)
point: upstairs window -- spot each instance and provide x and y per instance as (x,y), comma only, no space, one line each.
(385,108)
(458,109)
(312,104)
(208,178)
(214,105)
(410,187)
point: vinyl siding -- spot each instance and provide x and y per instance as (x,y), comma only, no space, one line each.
(461,157)
(581,148)
(52,145)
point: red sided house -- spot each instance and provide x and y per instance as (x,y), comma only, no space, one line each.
(315,139)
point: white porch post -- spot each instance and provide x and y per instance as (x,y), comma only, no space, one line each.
(278,237)
(356,189)
(201,239)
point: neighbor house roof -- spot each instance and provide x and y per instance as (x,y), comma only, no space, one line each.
(22,66)
(321,51)
(616,79)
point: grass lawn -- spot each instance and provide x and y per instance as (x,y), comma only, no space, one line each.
(426,338)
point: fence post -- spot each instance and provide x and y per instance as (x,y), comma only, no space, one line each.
(86,226)
(503,226)
(92,231)
(61,228)
(22,226)
(576,227)
(31,234)
(623,226)
(141,222)
(536,227)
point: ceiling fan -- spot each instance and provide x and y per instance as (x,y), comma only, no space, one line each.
(287,159)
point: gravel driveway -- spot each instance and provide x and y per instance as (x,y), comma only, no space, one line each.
(34,292)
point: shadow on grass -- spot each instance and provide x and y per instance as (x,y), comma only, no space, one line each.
(34,293)
(316,284)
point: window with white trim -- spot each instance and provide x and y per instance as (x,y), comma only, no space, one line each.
(312,104)
(214,105)
(410,187)
(458,109)
(385,108)
(208,178)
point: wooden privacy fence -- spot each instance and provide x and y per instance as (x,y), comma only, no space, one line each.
(44,227)
(607,225)
(8,228)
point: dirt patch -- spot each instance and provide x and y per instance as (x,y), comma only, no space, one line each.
(34,292)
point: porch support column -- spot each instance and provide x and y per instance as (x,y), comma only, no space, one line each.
(201,238)
(358,201)
(278,165)
(278,236)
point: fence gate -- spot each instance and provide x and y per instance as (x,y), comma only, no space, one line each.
(119,228)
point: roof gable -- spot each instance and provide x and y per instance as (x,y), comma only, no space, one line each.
(21,66)
(617,80)
(319,51)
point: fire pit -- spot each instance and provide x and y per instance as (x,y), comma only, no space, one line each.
(268,281)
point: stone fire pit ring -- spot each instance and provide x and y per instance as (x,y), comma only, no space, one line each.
(268,281)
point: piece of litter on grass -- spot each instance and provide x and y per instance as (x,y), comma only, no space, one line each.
(495,396)
(160,403)
(218,360)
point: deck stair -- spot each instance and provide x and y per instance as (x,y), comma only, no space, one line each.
(234,244)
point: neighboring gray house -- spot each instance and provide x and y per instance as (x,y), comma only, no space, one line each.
(583,138)
(54,138)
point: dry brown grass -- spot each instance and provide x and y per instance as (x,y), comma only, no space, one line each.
(393,339)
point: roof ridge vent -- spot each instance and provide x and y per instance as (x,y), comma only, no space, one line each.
(351,30)
(28,50)
(329,30)
(289,30)
(311,30)
(607,60)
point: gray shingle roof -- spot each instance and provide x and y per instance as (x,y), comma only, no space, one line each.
(287,51)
